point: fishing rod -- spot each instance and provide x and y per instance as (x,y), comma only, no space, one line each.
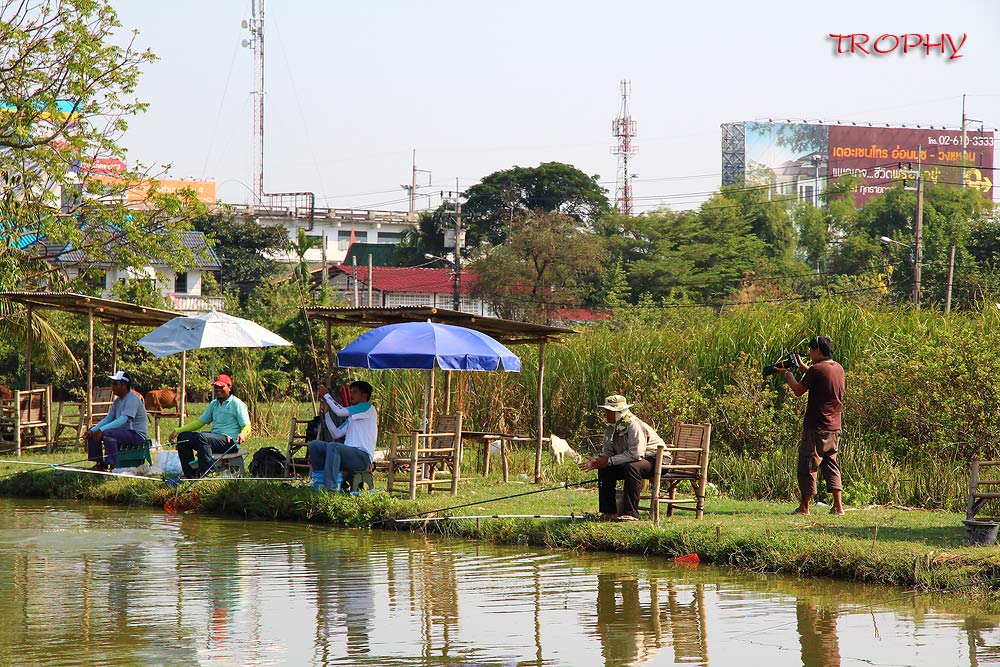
(494,516)
(564,485)
(42,463)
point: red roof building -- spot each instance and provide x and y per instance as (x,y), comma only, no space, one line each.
(405,286)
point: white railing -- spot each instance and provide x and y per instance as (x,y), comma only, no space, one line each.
(196,304)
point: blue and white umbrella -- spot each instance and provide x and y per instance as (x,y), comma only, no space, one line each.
(424,345)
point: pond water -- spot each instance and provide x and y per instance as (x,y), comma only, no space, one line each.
(98,585)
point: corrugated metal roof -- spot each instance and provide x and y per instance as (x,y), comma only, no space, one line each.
(505,331)
(119,312)
(411,279)
(205,257)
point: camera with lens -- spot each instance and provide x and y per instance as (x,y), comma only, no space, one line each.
(791,362)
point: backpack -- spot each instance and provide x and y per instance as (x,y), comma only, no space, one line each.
(267,462)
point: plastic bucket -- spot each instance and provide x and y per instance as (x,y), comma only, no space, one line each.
(980,533)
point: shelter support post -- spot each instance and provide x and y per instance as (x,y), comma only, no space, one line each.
(329,354)
(182,399)
(27,358)
(114,348)
(447,392)
(90,368)
(541,413)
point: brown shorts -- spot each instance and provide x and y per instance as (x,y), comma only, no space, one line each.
(818,452)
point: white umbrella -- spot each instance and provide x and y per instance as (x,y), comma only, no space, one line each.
(211,329)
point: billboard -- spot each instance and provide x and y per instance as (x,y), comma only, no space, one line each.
(204,191)
(799,159)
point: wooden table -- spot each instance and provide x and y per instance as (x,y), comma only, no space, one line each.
(486,438)
(157,415)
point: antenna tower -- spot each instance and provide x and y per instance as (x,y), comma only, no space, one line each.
(623,128)
(256,42)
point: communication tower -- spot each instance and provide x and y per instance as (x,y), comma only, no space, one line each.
(623,128)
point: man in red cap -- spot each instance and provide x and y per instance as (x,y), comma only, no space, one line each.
(230,422)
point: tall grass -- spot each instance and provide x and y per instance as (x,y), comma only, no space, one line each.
(921,402)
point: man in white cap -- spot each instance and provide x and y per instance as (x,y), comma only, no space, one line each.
(627,441)
(124,426)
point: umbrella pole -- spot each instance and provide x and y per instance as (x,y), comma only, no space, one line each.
(430,406)
(428,387)
(447,392)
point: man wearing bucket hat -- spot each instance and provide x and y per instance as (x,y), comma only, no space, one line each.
(627,439)
(124,426)
(230,422)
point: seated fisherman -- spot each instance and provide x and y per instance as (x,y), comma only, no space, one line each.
(124,426)
(230,422)
(360,432)
(627,442)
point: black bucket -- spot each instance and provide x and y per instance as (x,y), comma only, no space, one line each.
(980,533)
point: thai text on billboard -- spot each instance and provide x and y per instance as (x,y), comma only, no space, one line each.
(879,158)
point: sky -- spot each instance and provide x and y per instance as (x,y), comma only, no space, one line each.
(354,88)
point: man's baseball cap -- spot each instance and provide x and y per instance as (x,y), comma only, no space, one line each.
(120,376)
(223,380)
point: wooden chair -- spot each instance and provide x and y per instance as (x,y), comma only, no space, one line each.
(297,466)
(689,449)
(68,427)
(101,406)
(24,418)
(416,459)
(990,491)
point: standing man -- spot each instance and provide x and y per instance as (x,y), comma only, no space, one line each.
(230,422)
(360,433)
(627,439)
(124,426)
(824,380)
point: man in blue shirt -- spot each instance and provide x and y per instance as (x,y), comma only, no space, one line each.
(230,422)
(125,425)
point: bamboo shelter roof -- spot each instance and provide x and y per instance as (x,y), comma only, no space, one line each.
(505,331)
(109,310)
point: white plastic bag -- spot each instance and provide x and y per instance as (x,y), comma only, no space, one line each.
(168,462)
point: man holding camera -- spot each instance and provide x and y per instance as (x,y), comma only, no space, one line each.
(824,380)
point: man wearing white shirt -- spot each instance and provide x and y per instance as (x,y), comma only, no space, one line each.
(360,432)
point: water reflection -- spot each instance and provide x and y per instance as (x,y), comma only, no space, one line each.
(817,627)
(105,586)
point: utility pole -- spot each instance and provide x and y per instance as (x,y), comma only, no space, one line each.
(459,237)
(456,300)
(411,189)
(919,231)
(918,227)
(951,275)
(962,180)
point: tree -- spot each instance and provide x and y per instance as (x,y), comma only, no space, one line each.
(546,265)
(506,197)
(245,250)
(66,94)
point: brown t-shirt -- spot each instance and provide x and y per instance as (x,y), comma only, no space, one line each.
(825,382)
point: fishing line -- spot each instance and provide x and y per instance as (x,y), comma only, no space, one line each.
(495,516)
(564,485)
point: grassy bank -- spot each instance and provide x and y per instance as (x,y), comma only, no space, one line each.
(920,549)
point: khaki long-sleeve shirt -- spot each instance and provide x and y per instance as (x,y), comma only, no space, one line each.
(628,440)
